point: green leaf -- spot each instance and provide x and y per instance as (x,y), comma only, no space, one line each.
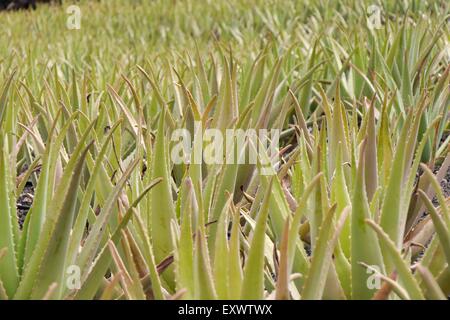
(391,212)
(442,230)
(434,292)
(234,268)
(90,281)
(185,248)
(203,279)
(322,257)
(4,98)
(402,268)
(253,281)
(162,207)
(364,242)
(52,266)
(221,254)
(9,275)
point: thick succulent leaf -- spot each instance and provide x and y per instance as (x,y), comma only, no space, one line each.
(364,243)
(52,266)
(185,246)
(442,230)
(403,270)
(203,278)
(434,292)
(90,283)
(283,276)
(221,254)
(9,275)
(235,274)
(162,207)
(322,256)
(253,281)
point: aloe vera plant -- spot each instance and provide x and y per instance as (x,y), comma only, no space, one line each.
(353,203)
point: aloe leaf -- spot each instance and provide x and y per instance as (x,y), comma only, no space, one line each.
(252,285)
(392,210)
(80,222)
(52,266)
(234,268)
(389,285)
(221,254)
(371,155)
(384,147)
(263,100)
(4,98)
(162,208)
(306,91)
(441,229)
(315,280)
(52,223)
(342,198)
(279,207)
(185,248)
(3,294)
(337,130)
(439,195)
(403,270)
(227,108)
(297,258)
(126,279)
(203,278)
(133,266)
(108,293)
(364,243)
(9,274)
(44,190)
(412,216)
(434,292)
(147,251)
(225,183)
(100,266)
(282,288)
(94,238)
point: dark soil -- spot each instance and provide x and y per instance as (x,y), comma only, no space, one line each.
(24,203)
(445,184)
(23,4)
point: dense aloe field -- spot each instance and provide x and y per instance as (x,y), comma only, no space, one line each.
(105,105)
